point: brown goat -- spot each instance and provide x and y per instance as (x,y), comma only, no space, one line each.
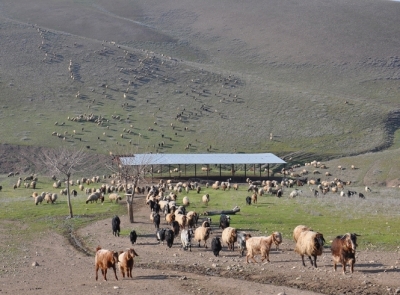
(126,261)
(105,259)
(254,198)
(261,245)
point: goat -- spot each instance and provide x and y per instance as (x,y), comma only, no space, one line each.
(105,259)
(343,250)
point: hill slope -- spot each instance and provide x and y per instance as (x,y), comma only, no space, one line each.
(321,76)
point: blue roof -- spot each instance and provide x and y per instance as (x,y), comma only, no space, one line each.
(173,159)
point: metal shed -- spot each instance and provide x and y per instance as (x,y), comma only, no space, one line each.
(202,159)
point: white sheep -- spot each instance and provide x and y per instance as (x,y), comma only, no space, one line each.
(229,237)
(202,234)
(298,230)
(169,218)
(39,199)
(114,197)
(47,197)
(310,243)
(192,218)
(54,197)
(182,220)
(205,199)
(95,197)
(185,201)
(295,193)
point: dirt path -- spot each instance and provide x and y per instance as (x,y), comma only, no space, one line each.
(65,270)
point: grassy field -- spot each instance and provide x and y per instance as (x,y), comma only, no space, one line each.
(375,218)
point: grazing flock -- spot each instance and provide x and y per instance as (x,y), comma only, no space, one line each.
(195,229)
(184,226)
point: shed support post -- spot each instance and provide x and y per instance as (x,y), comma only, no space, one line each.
(244,171)
(194,170)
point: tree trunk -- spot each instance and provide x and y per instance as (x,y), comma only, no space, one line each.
(69,199)
(129,205)
(219,212)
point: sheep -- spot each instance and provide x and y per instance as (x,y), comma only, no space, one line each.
(205,199)
(229,237)
(33,185)
(198,189)
(191,219)
(202,234)
(295,193)
(54,197)
(368,189)
(39,199)
(95,197)
(259,245)
(125,262)
(215,185)
(114,197)
(207,222)
(299,229)
(310,243)
(186,237)
(182,220)
(47,198)
(105,259)
(185,201)
(169,218)
(235,186)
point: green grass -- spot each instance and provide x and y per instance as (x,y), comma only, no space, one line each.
(375,219)
(20,215)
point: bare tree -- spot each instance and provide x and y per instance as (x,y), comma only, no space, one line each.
(131,170)
(67,162)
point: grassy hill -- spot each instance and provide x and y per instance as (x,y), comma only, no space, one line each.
(322,77)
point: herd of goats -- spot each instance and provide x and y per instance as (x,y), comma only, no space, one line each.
(184,225)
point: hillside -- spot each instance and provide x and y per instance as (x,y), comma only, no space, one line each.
(322,77)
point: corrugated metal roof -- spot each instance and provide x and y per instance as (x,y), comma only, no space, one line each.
(173,159)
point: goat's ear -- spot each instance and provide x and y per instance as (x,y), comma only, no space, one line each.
(357,235)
